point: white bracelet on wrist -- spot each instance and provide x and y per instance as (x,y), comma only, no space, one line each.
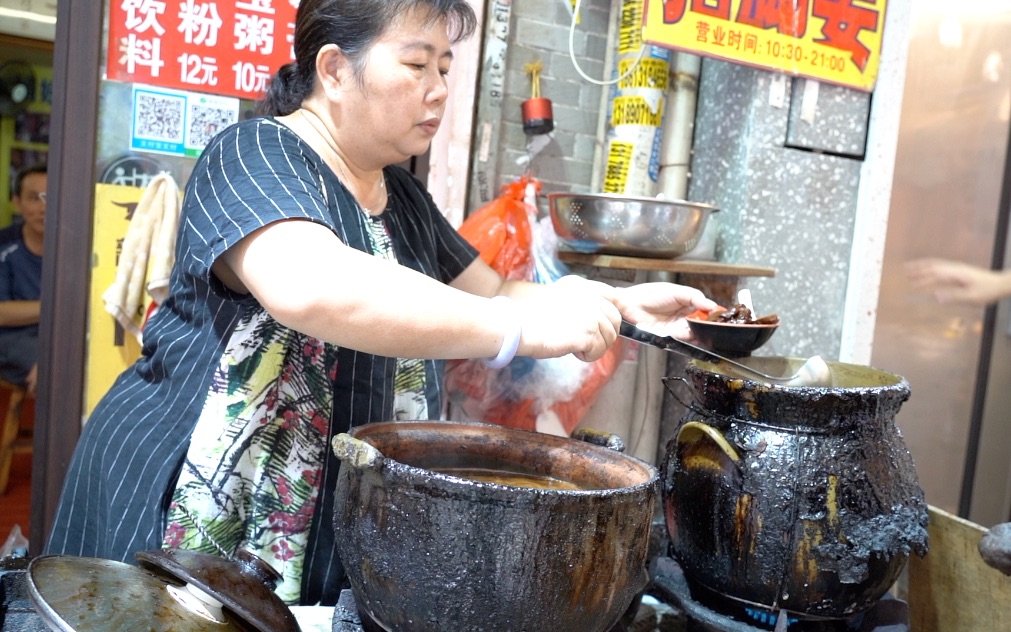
(511,341)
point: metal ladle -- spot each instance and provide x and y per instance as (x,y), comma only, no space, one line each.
(814,372)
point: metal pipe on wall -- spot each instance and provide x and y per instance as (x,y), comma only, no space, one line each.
(679,124)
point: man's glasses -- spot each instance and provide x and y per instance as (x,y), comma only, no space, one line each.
(36,197)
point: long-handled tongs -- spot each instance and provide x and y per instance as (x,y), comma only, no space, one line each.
(814,372)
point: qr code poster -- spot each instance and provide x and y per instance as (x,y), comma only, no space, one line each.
(208,115)
(178,123)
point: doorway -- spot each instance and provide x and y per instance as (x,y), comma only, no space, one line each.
(948,189)
(26,70)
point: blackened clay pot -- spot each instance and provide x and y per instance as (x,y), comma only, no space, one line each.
(426,550)
(793,498)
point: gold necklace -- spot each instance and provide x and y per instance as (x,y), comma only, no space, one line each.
(381,185)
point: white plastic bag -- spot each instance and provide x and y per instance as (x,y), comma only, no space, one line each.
(16,544)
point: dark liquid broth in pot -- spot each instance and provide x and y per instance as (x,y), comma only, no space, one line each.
(502,477)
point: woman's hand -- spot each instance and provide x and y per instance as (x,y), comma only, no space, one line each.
(583,317)
(660,307)
(577,311)
(571,315)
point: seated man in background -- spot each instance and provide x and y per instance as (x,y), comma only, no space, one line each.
(21,281)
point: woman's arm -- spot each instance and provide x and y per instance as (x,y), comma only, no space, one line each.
(656,306)
(309,280)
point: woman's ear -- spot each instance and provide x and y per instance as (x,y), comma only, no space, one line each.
(332,68)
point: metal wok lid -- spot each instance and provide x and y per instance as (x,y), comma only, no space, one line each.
(173,590)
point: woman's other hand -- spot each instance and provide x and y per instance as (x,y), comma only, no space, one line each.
(660,307)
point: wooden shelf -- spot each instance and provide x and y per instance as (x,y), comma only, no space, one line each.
(684,266)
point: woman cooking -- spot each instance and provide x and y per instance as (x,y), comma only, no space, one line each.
(316,287)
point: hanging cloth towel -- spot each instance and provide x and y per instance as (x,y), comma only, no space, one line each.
(147,256)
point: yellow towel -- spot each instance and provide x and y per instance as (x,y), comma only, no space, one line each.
(147,256)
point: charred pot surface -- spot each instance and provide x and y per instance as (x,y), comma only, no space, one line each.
(802,499)
(430,551)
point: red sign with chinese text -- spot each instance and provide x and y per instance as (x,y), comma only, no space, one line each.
(224,47)
(838,41)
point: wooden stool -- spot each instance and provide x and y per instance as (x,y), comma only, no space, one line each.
(15,415)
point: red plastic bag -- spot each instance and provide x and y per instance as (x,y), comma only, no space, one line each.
(526,391)
(500,230)
(532,394)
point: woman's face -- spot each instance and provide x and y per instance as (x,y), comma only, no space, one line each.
(396,108)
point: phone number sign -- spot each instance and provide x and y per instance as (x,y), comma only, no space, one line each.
(836,41)
(224,47)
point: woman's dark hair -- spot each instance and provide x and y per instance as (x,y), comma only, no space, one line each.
(353,25)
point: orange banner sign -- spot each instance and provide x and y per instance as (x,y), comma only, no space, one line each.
(836,41)
(223,47)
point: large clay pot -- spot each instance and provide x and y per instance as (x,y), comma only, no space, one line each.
(793,498)
(427,550)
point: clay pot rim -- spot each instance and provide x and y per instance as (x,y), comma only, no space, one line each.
(649,473)
(891,382)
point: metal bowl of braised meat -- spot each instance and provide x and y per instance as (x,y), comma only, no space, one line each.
(605,223)
(732,332)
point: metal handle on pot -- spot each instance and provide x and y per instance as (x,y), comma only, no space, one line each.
(355,452)
(601,438)
(695,430)
(670,390)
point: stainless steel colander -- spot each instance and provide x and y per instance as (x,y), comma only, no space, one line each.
(630,226)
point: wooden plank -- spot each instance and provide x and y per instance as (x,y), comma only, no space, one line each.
(684,266)
(952,589)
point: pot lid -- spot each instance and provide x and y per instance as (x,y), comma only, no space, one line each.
(84,594)
(245,586)
(173,589)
